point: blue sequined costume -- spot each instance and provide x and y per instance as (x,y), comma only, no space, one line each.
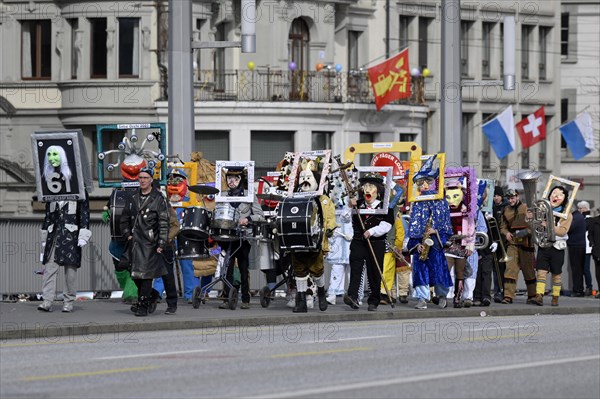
(434,270)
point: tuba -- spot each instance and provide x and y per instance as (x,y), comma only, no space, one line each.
(542,224)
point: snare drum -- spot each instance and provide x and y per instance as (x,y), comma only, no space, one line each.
(195,223)
(262,256)
(300,224)
(224,223)
(192,249)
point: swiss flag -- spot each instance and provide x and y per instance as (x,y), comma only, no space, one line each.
(532,129)
(390,80)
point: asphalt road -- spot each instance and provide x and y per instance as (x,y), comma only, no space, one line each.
(544,356)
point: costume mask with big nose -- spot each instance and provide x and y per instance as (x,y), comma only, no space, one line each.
(307,181)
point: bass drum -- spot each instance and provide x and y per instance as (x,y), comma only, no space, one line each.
(192,249)
(300,224)
(118,198)
(195,223)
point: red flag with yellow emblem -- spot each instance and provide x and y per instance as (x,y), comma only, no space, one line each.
(390,79)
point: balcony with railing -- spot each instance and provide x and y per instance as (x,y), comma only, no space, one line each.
(279,85)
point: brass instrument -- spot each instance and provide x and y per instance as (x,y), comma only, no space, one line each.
(397,253)
(493,224)
(482,240)
(426,242)
(542,225)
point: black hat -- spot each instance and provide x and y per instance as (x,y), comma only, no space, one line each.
(234,170)
(371,178)
(498,191)
(147,170)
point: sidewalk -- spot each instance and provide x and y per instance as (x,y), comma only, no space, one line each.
(21,320)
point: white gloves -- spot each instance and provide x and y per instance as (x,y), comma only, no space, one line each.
(81,243)
(494,247)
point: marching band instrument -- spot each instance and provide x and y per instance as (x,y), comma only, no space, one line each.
(493,225)
(204,190)
(426,242)
(482,240)
(542,224)
(351,191)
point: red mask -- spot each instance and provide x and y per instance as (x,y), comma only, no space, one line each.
(131,166)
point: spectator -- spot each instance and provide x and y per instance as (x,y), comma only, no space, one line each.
(576,245)
(594,237)
(584,208)
(497,210)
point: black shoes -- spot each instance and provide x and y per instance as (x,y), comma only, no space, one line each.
(350,302)
(372,308)
(322,299)
(403,299)
(486,302)
(171,311)
(301,306)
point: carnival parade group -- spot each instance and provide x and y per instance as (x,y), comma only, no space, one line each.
(427,234)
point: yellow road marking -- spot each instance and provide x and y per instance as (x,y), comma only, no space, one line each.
(326,352)
(87,373)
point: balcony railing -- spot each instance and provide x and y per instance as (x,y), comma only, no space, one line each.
(279,85)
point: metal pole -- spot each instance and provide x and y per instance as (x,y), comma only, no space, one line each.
(181,97)
(451,95)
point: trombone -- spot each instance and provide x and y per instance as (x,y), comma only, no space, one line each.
(492,223)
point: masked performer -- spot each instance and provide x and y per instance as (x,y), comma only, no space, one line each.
(428,231)
(311,263)
(551,258)
(375,229)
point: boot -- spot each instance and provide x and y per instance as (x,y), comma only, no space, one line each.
(322,299)
(142,307)
(153,301)
(300,303)
(538,299)
(127,285)
(554,301)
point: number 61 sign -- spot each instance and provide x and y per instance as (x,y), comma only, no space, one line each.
(61,168)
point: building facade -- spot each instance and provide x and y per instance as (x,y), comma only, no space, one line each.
(79,64)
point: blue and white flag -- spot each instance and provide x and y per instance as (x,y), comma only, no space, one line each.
(579,135)
(500,132)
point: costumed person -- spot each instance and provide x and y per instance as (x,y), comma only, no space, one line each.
(475,263)
(498,275)
(311,263)
(429,220)
(145,223)
(237,184)
(461,246)
(64,232)
(130,167)
(393,258)
(483,282)
(177,194)
(551,258)
(374,228)
(515,229)
(339,258)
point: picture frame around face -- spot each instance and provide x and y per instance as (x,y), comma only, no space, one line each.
(62,169)
(321,164)
(468,181)
(387,179)
(415,165)
(221,183)
(488,195)
(571,186)
(191,170)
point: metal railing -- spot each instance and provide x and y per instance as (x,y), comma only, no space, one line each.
(266,84)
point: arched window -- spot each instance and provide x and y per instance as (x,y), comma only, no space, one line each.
(299,40)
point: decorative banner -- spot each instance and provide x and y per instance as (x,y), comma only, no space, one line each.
(390,79)
(61,166)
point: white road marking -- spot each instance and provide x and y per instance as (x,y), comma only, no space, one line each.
(150,354)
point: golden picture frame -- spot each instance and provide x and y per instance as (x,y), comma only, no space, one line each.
(415,165)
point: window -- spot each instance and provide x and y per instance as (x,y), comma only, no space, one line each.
(467,127)
(465,27)
(564,117)
(214,144)
(74,24)
(525,158)
(219,59)
(98,50)
(403,31)
(36,50)
(404,138)
(564,35)
(485,153)
(486,51)
(129,47)
(423,38)
(353,45)
(268,148)
(198,52)
(501,49)
(321,141)
(299,39)
(365,159)
(543,148)
(544,34)
(525,48)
